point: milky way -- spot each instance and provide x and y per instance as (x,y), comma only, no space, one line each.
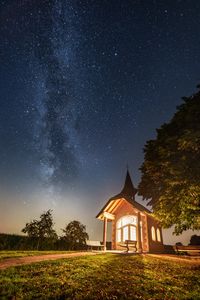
(53,112)
(55,52)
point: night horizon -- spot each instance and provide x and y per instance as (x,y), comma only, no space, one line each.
(84,85)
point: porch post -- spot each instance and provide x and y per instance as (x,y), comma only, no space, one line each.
(104,233)
(139,243)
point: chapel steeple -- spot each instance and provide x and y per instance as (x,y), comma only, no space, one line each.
(128,190)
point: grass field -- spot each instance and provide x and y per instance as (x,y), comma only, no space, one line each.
(14,254)
(109,276)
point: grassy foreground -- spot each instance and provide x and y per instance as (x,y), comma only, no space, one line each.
(14,254)
(108,276)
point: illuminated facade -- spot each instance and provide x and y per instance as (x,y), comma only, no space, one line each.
(131,221)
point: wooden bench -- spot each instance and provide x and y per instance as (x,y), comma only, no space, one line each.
(191,250)
(129,243)
(94,244)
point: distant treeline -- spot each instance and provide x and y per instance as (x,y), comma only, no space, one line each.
(20,242)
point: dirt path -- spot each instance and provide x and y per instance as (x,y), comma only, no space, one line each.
(12,262)
(189,260)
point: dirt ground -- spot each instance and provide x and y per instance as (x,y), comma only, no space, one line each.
(12,262)
(192,260)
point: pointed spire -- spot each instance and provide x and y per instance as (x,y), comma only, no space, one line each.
(127,167)
(128,189)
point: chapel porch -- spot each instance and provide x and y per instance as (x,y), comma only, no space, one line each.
(131,228)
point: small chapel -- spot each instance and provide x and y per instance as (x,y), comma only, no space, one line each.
(131,221)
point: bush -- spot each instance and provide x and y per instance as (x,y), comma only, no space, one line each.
(20,242)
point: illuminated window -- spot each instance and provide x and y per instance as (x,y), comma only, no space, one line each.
(126,228)
(133,233)
(118,235)
(153,233)
(126,220)
(141,231)
(129,220)
(125,233)
(158,235)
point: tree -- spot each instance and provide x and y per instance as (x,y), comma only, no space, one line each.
(171,169)
(75,234)
(195,240)
(42,228)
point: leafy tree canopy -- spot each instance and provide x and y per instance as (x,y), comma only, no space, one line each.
(171,169)
(195,240)
(42,228)
(75,233)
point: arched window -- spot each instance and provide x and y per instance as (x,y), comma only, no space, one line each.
(153,233)
(126,228)
(158,235)
(141,231)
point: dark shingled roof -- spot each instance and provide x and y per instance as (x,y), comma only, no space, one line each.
(128,193)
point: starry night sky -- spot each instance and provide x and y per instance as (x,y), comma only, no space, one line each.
(84,84)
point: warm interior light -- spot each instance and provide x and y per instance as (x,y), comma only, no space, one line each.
(126,229)
(127,220)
